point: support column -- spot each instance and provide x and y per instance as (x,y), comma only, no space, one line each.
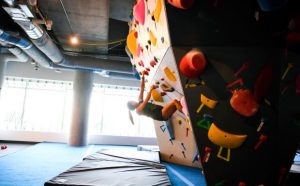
(82,89)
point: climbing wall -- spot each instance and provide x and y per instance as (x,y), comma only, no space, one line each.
(148,45)
(148,38)
(245,147)
(244,104)
(241,88)
(182,149)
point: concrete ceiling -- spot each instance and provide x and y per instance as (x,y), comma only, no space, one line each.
(120,9)
(90,19)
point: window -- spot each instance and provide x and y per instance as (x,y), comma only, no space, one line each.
(46,106)
(109,114)
(33,105)
(11,107)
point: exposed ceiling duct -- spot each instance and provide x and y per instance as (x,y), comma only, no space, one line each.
(70,62)
(19,54)
(50,56)
(27,47)
(16,56)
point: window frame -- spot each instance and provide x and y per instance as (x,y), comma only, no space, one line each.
(39,136)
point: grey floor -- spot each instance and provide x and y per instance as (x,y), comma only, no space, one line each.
(13,147)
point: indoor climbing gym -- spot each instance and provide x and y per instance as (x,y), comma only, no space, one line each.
(149,93)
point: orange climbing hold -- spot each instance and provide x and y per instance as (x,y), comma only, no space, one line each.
(182,4)
(156,96)
(243,102)
(157,11)
(170,75)
(132,43)
(192,64)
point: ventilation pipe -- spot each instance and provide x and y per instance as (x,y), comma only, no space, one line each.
(17,56)
(27,47)
(115,75)
(119,69)
(45,44)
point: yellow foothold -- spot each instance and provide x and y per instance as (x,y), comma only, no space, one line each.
(156,96)
(169,74)
(290,65)
(219,155)
(152,38)
(225,139)
(207,102)
(200,108)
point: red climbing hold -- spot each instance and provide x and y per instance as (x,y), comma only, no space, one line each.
(145,72)
(152,63)
(192,64)
(243,102)
(163,93)
(182,4)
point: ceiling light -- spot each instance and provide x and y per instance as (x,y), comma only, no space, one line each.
(74,40)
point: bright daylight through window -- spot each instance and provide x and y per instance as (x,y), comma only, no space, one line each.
(46,106)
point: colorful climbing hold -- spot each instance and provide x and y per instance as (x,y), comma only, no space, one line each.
(205,101)
(170,75)
(182,4)
(132,42)
(152,63)
(192,64)
(163,93)
(139,11)
(166,87)
(184,106)
(156,96)
(157,11)
(243,102)
(152,38)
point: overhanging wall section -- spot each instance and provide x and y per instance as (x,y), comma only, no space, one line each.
(244,54)
(148,45)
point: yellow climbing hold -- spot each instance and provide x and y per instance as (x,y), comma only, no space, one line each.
(170,75)
(152,38)
(156,96)
(157,11)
